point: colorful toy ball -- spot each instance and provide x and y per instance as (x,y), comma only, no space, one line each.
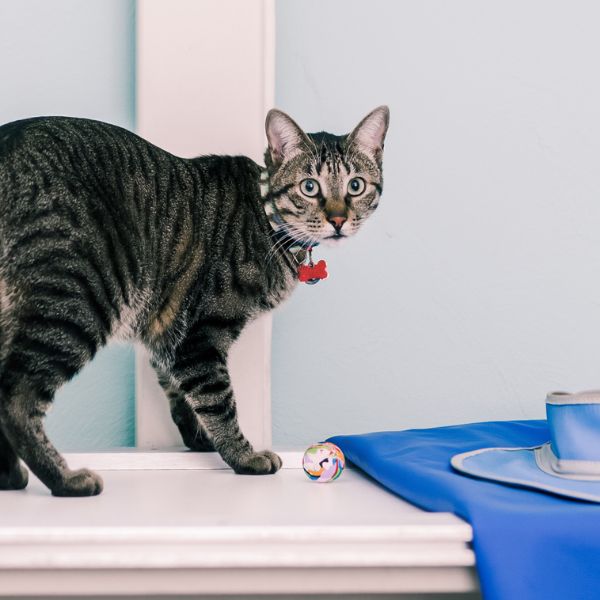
(323,462)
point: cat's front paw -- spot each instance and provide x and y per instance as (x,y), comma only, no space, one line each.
(258,463)
(79,483)
(15,478)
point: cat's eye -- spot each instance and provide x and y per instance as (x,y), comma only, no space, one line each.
(356,186)
(309,187)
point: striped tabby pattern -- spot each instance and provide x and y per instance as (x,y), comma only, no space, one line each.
(104,235)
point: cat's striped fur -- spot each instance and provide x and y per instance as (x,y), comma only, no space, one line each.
(103,234)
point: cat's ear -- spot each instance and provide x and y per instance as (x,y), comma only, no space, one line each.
(369,135)
(285,138)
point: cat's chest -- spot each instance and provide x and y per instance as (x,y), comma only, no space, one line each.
(279,293)
(244,288)
(278,282)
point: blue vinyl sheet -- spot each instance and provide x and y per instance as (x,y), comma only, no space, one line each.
(529,545)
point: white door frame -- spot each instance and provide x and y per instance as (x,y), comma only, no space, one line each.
(205,81)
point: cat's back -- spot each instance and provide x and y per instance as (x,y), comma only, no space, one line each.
(71,186)
(58,129)
(43,159)
(81,140)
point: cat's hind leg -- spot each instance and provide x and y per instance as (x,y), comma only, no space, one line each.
(49,345)
(13,475)
(21,418)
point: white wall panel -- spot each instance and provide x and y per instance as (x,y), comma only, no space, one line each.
(204,85)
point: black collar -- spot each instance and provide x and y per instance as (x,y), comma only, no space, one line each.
(287,241)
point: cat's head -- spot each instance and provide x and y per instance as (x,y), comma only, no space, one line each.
(322,187)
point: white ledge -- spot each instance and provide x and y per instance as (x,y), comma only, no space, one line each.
(169,459)
(179,522)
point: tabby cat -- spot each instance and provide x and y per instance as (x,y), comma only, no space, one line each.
(104,235)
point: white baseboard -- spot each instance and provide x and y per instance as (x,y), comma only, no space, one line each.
(176,459)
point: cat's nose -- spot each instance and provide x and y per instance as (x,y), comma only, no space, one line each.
(338,223)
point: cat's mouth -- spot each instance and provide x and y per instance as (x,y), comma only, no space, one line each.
(334,238)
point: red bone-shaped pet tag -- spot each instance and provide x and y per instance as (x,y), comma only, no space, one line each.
(312,273)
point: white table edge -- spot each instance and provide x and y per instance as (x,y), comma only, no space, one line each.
(431,554)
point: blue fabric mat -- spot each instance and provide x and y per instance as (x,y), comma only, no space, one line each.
(528,545)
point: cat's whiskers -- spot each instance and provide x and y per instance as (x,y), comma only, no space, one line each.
(295,235)
(280,243)
(305,238)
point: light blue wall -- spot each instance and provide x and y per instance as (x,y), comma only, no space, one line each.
(476,287)
(68,57)
(76,58)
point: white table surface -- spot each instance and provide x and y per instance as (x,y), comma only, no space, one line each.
(183,523)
